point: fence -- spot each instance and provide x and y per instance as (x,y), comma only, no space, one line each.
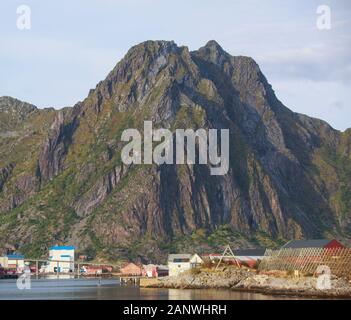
(307,260)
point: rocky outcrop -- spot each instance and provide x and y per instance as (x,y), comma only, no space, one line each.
(250,281)
(5,174)
(210,279)
(15,110)
(25,185)
(97,194)
(51,158)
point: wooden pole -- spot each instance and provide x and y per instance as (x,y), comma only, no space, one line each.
(228,253)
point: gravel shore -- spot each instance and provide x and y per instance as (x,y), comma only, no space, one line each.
(248,280)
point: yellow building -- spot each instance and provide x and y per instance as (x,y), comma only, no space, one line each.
(13,261)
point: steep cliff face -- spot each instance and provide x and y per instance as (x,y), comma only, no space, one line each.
(62,179)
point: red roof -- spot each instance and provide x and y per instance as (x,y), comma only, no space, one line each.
(131,269)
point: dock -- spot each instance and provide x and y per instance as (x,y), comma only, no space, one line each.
(131,279)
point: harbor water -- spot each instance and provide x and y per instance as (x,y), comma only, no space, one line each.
(111,289)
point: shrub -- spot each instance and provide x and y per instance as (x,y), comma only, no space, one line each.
(208,264)
(256,264)
(195,271)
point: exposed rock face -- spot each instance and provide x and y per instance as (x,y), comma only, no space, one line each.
(14,111)
(4,174)
(12,114)
(61,171)
(98,192)
(55,147)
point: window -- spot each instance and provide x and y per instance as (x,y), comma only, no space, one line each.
(181,260)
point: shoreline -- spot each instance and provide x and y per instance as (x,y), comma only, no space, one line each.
(275,292)
(252,282)
(267,292)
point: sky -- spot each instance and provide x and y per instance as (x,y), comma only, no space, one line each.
(73,44)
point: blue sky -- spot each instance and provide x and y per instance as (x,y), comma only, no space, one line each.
(72,45)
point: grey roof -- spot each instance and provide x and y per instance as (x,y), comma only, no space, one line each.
(295,244)
(161,267)
(171,257)
(249,253)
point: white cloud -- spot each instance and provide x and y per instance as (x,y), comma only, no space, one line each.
(74,44)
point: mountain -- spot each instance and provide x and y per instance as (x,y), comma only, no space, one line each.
(62,179)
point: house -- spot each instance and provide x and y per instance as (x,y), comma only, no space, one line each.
(106,268)
(91,270)
(15,261)
(249,256)
(319,243)
(149,271)
(3,262)
(12,261)
(178,263)
(131,269)
(154,271)
(61,259)
(162,271)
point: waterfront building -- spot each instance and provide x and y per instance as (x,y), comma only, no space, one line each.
(3,261)
(162,271)
(149,270)
(154,271)
(178,263)
(61,259)
(92,270)
(319,243)
(249,256)
(131,269)
(13,261)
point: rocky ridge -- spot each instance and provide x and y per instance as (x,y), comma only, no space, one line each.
(62,179)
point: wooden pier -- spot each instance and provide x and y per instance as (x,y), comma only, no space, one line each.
(131,279)
(77,266)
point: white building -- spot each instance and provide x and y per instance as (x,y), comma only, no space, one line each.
(61,259)
(178,263)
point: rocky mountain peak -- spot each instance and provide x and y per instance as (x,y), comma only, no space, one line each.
(9,104)
(146,66)
(13,112)
(212,52)
(289,175)
(155,46)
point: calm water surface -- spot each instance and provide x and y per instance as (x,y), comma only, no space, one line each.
(110,289)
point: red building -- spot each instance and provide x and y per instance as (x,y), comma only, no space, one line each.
(149,271)
(131,269)
(154,271)
(107,268)
(92,270)
(319,243)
